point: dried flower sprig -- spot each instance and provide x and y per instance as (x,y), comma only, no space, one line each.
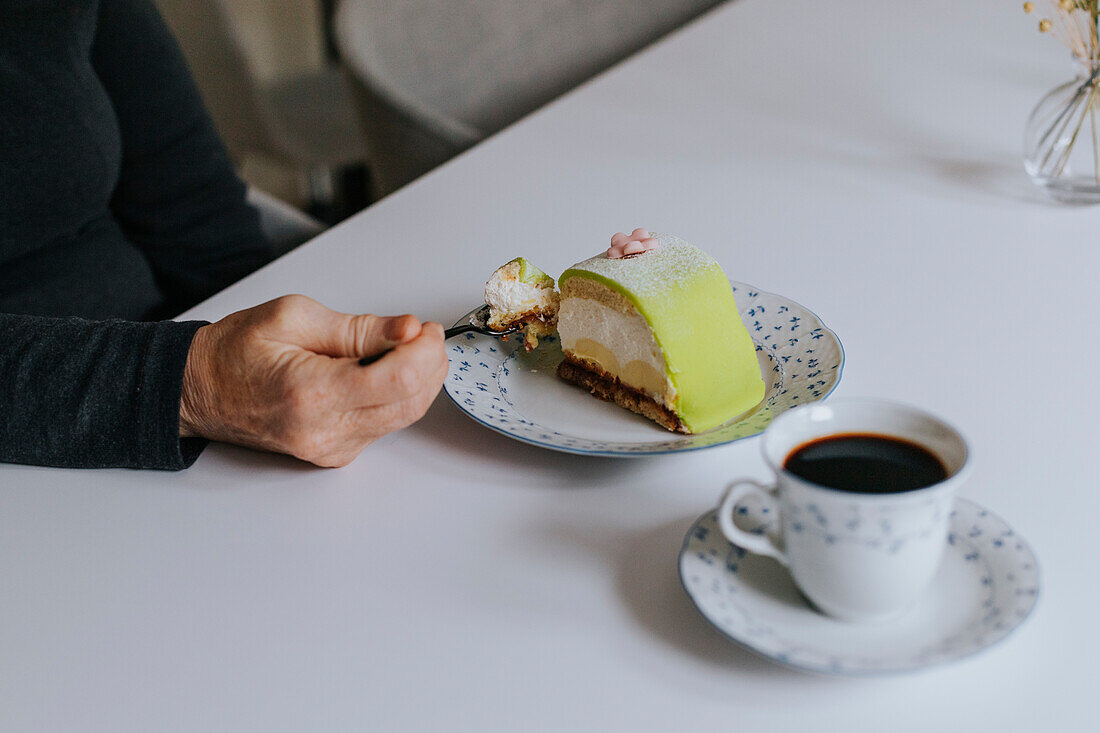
(1075,24)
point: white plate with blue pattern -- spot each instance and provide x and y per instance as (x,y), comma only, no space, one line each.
(987,585)
(517,393)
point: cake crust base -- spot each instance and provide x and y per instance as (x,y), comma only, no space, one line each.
(535,324)
(605,386)
(498,321)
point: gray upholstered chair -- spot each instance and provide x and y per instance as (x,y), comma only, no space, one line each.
(306,122)
(284,226)
(436,76)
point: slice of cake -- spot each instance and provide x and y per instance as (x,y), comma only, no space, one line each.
(521,295)
(652,325)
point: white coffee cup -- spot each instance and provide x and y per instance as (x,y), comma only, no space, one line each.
(856,556)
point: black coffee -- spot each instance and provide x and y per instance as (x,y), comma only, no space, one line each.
(867,463)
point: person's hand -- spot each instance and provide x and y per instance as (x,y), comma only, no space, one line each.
(284,376)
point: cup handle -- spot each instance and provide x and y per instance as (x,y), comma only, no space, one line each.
(759,544)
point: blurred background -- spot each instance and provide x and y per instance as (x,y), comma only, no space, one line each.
(329,105)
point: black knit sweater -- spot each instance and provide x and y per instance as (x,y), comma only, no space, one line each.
(118,205)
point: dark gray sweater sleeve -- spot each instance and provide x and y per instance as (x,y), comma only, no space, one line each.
(93,394)
(178,198)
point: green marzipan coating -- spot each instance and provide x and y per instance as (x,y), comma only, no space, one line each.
(688,302)
(530,274)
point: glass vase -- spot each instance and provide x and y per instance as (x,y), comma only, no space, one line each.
(1062,138)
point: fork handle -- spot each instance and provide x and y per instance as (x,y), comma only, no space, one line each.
(368,360)
(456,330)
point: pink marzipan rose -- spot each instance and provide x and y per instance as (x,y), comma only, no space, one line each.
(626,245)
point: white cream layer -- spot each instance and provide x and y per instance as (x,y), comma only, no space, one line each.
(508,295)
(621,343)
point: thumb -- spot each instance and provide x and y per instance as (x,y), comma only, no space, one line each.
(364,335)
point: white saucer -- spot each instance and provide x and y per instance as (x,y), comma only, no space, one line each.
(508,390)
(987,585)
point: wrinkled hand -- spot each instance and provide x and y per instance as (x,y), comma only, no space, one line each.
(284,376)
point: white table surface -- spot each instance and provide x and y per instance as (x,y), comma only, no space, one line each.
(860,158)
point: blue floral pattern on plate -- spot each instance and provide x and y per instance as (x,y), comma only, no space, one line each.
(801,360)
(987,585)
